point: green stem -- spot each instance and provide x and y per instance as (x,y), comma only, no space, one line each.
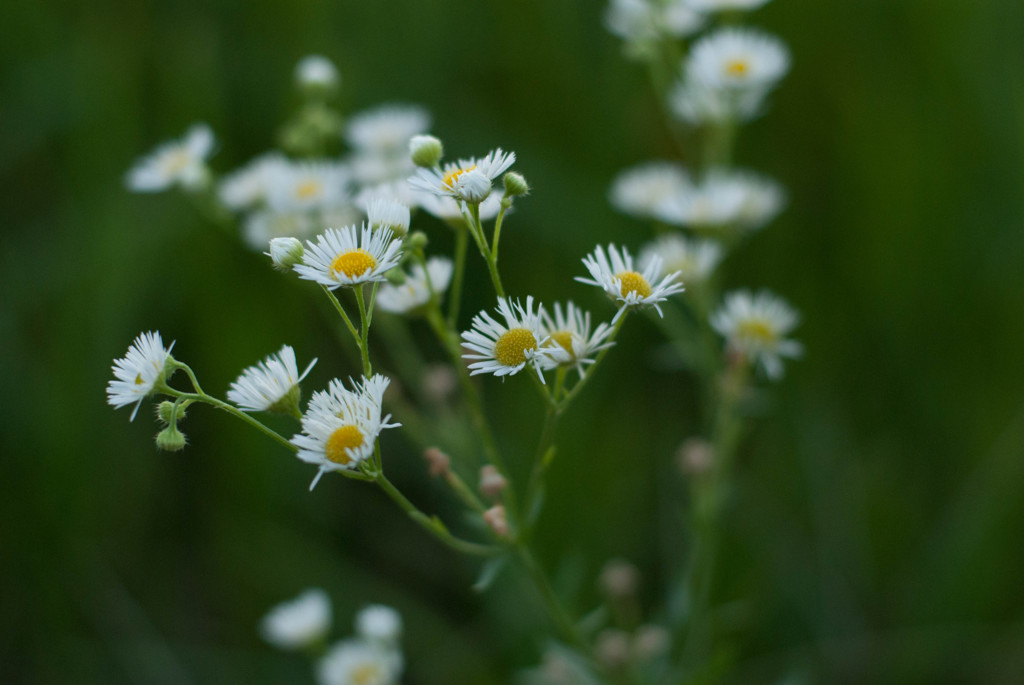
(455,296)
(572,394)
(341,310)
(497,230)
(449,339)
(234,411)
(433,525)
(554,607)
(364,330)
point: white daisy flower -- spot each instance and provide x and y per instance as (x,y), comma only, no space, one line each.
(372,168)
(178,162)
(358,662)
(263,226)
(398,190)
(270,385)
(693,260)
(614,273)
(570,339)
(468,180)
(447,208)
(642,189)
(644,21)
(697,104)
(726,5)
(738,59)
(298,623)
(756,326)
(340,426)
(316,71)
(725,198)
(248,187)
(305,186)
(505,349)
(763,200)
(350,256)
(379,622)
(387,129)
(415,291)
(383,211)
(137,374)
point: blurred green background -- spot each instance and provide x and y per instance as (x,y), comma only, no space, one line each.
(876,533)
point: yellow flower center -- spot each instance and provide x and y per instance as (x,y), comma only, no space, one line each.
(340,441)
(511,347)
(451,177)
(176,161)
(562,338)
(737,67)
(365,674)
(756,330)
(308,189)
(353,263)
(632,282)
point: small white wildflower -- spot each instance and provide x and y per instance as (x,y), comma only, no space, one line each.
(697,104)
(387,129)
(358,662)
(725,198)
(570,339)
(756,326)
(447,208)
(318,72)
(379,622)
(646,21)
(270,385)
(614,273)
(389,213)
(415,291)
(138,373)
(262,226)
(641,190)
(340,426)
(732,58)
(350,256)
(248,187)
(178,162)
(305,186)
(506,348)
(468,180)
(298,623)
(694,260)
(726,5)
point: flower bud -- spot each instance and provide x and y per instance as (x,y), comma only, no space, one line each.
(515,184)
(492,483)
(170,439)
(285,253)
(473,187)
(695,456)
(650,641)
(440,382)
(437,461)
(619,579)
(417,240)
(316,75)
(425,151)
(395,276)
(495,518)
(612,648)
(168,413)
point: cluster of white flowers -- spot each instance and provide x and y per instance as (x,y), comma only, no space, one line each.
(722,82)
(373,656)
